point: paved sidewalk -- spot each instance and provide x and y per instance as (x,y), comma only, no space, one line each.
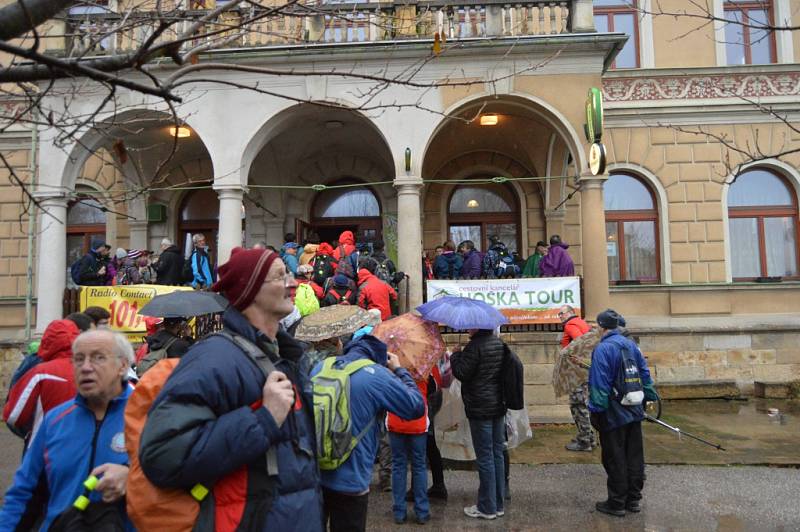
(562,497)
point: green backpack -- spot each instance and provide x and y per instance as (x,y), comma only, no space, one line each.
(334,428)
(305,300)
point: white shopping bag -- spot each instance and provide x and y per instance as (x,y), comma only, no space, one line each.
(518,427)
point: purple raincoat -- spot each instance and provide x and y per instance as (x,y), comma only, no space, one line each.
(472,267)
(557,262)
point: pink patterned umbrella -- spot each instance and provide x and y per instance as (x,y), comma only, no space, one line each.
(417,343)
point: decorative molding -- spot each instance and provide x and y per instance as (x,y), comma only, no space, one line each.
(703,87)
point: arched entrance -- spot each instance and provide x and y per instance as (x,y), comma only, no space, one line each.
(480,211)
(500,167)
(324,147)
(355,209)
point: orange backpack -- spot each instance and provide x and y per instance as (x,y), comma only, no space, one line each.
(150,507)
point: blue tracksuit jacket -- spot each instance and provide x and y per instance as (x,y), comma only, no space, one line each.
(67,447)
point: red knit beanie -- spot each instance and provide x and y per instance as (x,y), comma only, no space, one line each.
(241,277)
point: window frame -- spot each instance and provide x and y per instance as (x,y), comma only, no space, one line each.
(609,12)
(87,231)
(362,223)
(769,211)
(744,7)
(483,219)
(635,215)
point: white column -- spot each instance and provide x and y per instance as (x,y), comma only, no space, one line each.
(230,222)
(409,235)
(784,39)
(51,276)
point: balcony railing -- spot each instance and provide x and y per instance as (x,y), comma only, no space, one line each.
(250,27)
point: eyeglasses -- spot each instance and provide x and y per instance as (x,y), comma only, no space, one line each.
(95,359)
(287,279)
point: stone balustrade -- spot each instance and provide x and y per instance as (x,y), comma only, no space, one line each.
(93,33)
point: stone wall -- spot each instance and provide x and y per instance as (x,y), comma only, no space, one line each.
(10,357)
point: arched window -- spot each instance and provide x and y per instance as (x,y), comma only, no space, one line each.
(477,212)
(335,210)
(86,226)
(762,223)
(631,230)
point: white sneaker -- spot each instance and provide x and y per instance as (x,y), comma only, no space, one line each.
(472,511)
(501,513)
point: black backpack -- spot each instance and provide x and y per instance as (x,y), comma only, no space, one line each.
(323,269)
(513,380)
(187,275)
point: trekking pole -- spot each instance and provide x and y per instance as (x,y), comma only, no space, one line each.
(680,432)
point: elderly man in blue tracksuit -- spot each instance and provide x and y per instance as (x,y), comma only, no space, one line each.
(618,379)
(81,437)
(384,386)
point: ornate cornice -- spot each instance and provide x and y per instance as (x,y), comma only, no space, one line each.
(701,87)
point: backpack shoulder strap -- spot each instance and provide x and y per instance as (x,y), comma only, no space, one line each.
(256,355)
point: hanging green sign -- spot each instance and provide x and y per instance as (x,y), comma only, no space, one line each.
(594,116)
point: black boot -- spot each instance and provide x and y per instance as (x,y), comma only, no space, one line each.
(605,508)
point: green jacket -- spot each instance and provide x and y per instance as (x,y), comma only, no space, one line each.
(532,266)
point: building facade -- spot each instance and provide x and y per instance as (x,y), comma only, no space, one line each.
(692,232)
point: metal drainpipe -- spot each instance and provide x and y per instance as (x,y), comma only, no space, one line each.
(31,231)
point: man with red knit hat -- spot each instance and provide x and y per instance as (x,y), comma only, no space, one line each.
(220,422)
(45,385)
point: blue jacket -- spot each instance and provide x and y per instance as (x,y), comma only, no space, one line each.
(62,451)
(448,265)
(606,361)
(202,275)
(208,423)
(290,261)
(373,389)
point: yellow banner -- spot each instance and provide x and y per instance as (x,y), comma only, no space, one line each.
(123,303)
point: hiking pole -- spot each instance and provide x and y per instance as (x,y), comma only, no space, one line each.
(680,432)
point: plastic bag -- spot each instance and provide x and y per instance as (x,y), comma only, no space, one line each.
(518,427)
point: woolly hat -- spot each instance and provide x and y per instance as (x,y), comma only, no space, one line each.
(608,319)
(241,277)
(134,253)
(340,279)
(120,253)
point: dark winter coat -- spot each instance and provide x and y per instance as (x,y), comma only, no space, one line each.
(87,272)
(448,265)
(478,366)
(207,426)
(473,265)
(169,267)
(557,262)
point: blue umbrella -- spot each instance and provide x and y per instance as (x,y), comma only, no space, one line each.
(462,313)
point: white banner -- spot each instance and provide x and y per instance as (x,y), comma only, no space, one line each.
(523,301)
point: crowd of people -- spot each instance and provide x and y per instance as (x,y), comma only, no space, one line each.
(233,435)
(464,261)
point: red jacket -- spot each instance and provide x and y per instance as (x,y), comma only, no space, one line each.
(413,426)
(346,241)
(374,293)
(574,328)
(47,384)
